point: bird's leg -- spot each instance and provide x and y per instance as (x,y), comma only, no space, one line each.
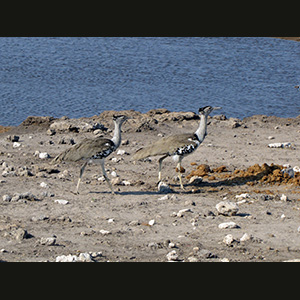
(81,173)
(179,174)
(159,166)
(105,176)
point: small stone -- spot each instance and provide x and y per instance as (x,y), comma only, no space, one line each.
(50,241)
(227,208)
(44,155)
(163,188)
(182,211)
(104,232)
(245,237)
(151,222)
(126,182)
(14,138)
(228,225)
(85,257)
(66,258)
(284,198)
(43,185)
(163,198)
(16,145)
(228,239)
(242,196)
(6,198)
(172,256)
(116,181)
(196,180)
(61,201)
(121,152)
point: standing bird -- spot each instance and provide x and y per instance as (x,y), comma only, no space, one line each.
(178,146)
(94,149)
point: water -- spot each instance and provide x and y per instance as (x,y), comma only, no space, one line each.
(84,76)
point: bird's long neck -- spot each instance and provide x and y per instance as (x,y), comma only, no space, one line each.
(201,131)
(117,135)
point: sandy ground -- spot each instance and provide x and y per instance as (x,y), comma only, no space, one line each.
(139,223)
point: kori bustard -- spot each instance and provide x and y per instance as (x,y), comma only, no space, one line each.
(94,149)
(178,146)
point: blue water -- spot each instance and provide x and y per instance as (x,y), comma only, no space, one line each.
(84,76)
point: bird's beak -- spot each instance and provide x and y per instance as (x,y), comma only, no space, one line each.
(217,107)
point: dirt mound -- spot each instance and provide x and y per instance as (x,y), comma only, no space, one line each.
(265,174)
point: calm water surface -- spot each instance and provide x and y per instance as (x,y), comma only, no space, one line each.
(84,76)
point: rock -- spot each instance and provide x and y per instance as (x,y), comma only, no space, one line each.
(164,188)
(126,182)
(151,222)
(228,239)
(61,201)
(43,185)
(16,145)
(284,198)
(114,174)
(44,155)
(280,145)
(296,169)
(84,257)
(195,180)
(121,152)
(104,232)
(13,138)
(246,237)
(50,241)
(6,198)
(242,196)
(227,208)
(182,211)
(172,256)
(228,225)
(116,181)
(20,234)
(66,258)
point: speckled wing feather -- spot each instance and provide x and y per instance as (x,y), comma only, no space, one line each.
(167,146)
(87,149)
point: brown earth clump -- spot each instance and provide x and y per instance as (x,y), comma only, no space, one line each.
(265,174)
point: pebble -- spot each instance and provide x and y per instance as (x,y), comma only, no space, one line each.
(228,225)
(182,211)
(172,256)
(61,201)
(245,237)
(121,152)
(151,222)
(44,155)
(50,241)
(16,145)
(284,198)
(228,239)
(104,232)
(43,185)
(6,198)
(82,257)
(280,145)
(164,188)
(227,208)
(242,196)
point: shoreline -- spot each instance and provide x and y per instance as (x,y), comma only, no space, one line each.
(161,113)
